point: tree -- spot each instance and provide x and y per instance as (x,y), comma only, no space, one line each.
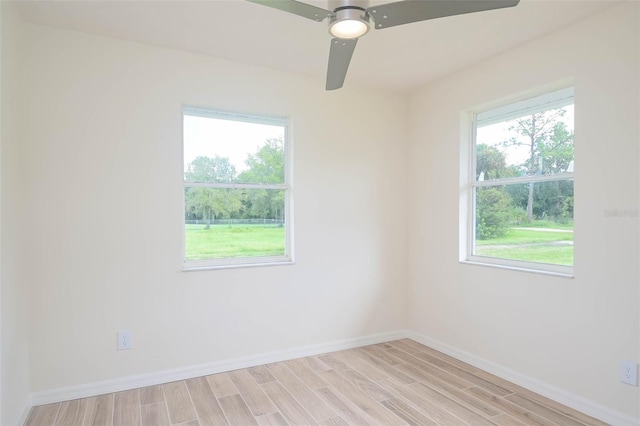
(211,170)
(549,145)
(266,166)
(493,212)
(491,163)
(210,203)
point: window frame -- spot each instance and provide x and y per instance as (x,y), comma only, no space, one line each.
(286,186)
(542,100)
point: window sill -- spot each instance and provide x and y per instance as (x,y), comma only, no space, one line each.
(189,268)
(519,269)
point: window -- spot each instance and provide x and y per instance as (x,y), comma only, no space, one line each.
(520,185)
(237,190)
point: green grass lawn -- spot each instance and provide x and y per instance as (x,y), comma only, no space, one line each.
(222,241)
(522,236)
(531,245)
(555,255)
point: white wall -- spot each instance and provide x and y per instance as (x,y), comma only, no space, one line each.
(102,223)
(567,333)
(14,329)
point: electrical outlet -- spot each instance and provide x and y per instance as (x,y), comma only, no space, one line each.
(124,340)
(629,373)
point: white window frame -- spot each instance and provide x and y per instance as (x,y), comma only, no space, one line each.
(286,186)
(531,102)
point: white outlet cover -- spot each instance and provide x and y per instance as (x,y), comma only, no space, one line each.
(124,340)
(629,373)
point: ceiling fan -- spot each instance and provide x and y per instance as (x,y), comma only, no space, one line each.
(350,20)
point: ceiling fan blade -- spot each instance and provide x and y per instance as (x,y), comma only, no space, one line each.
(296,7)
(339,58)
(407,11)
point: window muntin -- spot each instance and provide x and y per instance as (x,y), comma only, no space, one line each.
(521,184)
(237,207)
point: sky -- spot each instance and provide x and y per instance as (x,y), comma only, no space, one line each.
(204,136)
(495,134)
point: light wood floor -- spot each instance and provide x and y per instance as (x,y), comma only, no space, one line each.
(395,383)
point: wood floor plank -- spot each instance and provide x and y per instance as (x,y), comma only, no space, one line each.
(334,421)
(350,358)
(542,411)
(151,395)
(509,408)
(345,408)
(272,419)
(205,402)
(392,372)
(71,413)
(315,364)
(126,408)
(460,364)
(305,373)
(453,407)
(301,392)
(361,399)
(383,345)
(431,410)
(43,415)
(287,405)
(430,370)
(581,417)
(409,414)
(466,400)
(382,354)
(463,374)
(154,414)
(252,394)
(237,411)
(99,410)
(179,402)
(369,387)
(260,374)
(506,420)
(423,377)
(406,345)
(191,423)
(222,385)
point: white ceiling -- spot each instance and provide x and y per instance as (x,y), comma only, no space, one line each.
(397,58)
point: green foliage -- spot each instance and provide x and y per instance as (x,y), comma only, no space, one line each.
(206,169)
(266,166)
(494,212)
(490,163)
(551,151)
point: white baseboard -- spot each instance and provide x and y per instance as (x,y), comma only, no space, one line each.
(562,396)
(25,411)
(150,379)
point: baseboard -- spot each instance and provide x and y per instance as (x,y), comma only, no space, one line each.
(25,411)
(150,379)
(562,396)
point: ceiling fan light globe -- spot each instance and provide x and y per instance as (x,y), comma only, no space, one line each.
(349,28)
(349,23)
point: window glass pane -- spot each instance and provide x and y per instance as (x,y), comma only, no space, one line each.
(529,222)
(225,222)
(538,143)
(233,151)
